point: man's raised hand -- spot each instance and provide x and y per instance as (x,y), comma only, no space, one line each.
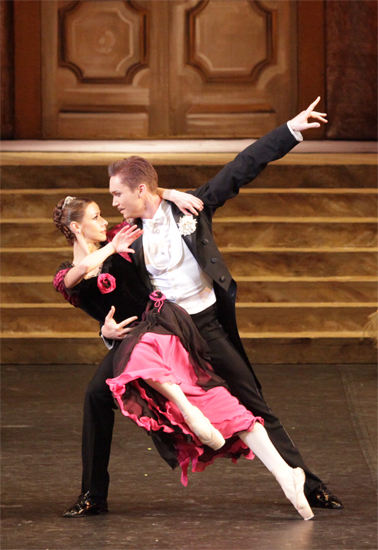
(300,122)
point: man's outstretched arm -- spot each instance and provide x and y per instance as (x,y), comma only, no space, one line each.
(248,164)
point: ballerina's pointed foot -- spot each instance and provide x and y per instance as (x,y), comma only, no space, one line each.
(204,430)
(292,485)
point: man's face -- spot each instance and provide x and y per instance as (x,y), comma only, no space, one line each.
(128,202)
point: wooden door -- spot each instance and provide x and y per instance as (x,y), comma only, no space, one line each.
(160,68)
(234,74)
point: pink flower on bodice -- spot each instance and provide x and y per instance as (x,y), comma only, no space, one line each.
(106,283)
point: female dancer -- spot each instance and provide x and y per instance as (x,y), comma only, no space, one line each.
(162,380)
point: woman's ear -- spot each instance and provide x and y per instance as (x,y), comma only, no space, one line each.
(75,228)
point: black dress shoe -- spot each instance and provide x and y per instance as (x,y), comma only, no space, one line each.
(321,497)
(86,506)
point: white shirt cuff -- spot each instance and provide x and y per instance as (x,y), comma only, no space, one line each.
(298,136)
(108,343)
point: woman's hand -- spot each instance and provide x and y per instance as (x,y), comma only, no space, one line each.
(300,122)
(124,238)
(187,203)
(113,330)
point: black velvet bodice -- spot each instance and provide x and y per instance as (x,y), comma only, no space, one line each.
(129,297)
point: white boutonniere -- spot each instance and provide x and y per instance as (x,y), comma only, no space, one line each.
(187,225)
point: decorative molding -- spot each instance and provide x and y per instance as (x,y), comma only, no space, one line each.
(237,108)
(94,109)
(108,40)
(193,57)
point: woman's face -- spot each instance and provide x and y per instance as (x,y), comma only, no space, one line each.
(93,226)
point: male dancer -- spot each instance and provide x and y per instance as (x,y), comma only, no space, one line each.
(178,256)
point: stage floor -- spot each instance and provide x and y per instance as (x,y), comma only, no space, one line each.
(330,411)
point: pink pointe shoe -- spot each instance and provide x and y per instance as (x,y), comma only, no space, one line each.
(292,485)
(204,430)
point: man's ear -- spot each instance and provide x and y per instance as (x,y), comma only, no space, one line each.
(142,190)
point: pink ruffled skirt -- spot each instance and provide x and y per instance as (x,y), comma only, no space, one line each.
(162,358)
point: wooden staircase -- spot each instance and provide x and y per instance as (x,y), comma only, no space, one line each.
(301,244)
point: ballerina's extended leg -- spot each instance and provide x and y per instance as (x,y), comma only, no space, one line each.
(196,421)
(291,479)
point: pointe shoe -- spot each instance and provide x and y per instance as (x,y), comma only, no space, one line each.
(292,485)
(204,430)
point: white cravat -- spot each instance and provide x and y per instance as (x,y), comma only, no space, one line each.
(171,266)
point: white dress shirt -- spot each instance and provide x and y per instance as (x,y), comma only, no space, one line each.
(171,266)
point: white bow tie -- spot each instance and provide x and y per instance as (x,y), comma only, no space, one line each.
(155,222)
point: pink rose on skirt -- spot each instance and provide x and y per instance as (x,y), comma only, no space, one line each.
(106,283)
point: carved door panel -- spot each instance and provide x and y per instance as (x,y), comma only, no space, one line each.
(96,60)
(232,67)
(166,68)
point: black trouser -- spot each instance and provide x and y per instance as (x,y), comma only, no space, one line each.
(227,363)
(98,425)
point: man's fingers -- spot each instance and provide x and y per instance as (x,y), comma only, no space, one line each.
(121,329)
(313,105)
(127,321)
(110,315)
(319,116)
(124,332)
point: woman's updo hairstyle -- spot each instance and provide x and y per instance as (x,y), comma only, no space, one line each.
(70,209)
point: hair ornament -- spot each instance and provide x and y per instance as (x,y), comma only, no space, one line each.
(67,201)
(159,299)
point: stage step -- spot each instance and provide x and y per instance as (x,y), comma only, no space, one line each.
(39,289)
(242,262)
(234,231)
(295,171)
(301,244)
(63,348)
(253,318)
(26,204)
(228,232)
